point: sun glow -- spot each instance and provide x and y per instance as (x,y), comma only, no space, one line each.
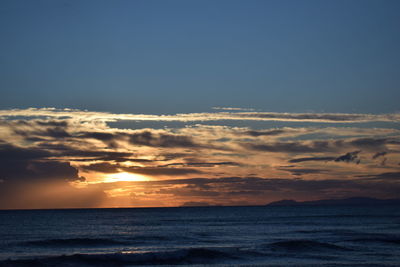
(125,177)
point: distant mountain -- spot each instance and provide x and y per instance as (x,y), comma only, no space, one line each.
(354,201)
(195,204)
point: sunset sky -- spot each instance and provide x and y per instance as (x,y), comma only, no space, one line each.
(171,103)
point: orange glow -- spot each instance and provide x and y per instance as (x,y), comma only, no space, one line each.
(124,177)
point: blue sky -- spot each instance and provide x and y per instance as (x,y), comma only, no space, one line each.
(163,57)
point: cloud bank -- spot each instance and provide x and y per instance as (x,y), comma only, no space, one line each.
(51,158)
(215,116)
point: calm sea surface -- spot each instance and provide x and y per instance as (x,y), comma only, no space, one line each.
(225,236)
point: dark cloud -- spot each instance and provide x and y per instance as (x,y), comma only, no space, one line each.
(84,154)
(17,164)
(56,132)
(35,139)
(294,147)
(54,123)
(105,137)
(40,129)
(98,154)
(30,180)
(147,138)
(103,167)
(55,146)
(155,171)
(349,157)
(172,156)
(302,171)
(10,152)
(29,170)
(109,139)
(369,143)
(320,146)
(63,150)
(374,144)
(383,176)
(53,170)
(265,133)
(312,159)
(379,154)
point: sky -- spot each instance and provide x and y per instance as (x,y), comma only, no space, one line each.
(171,103)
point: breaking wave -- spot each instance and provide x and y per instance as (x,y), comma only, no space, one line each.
(305,246)
(74,242)
(179,257)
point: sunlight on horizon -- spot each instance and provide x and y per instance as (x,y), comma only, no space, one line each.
(124,177)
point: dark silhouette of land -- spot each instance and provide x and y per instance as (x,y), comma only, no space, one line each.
(337,202)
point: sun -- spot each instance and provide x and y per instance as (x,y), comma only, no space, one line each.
(125,177)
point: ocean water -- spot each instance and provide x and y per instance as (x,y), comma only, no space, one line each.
(221,236)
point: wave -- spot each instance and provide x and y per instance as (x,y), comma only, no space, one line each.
(388,240)
(151,238)
(70,242)
(177,257)
(330,231)
(74,242)
(304,246)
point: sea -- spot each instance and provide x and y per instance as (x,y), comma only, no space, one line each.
(202,236)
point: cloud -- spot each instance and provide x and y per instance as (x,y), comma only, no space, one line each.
(102,136)
(103,167)
(379,154)
(49,148)
(371,143)
(56,132)
(294,147)
(265,133)
(233,109)
(217,116)
(23,164)
(9,152)
(297,160)
(91,153)
(260,190)
(302,171)
(205,164)
(29,179)
(322,146)
(349,157)
(147,138)
(382,176)
(153,171)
